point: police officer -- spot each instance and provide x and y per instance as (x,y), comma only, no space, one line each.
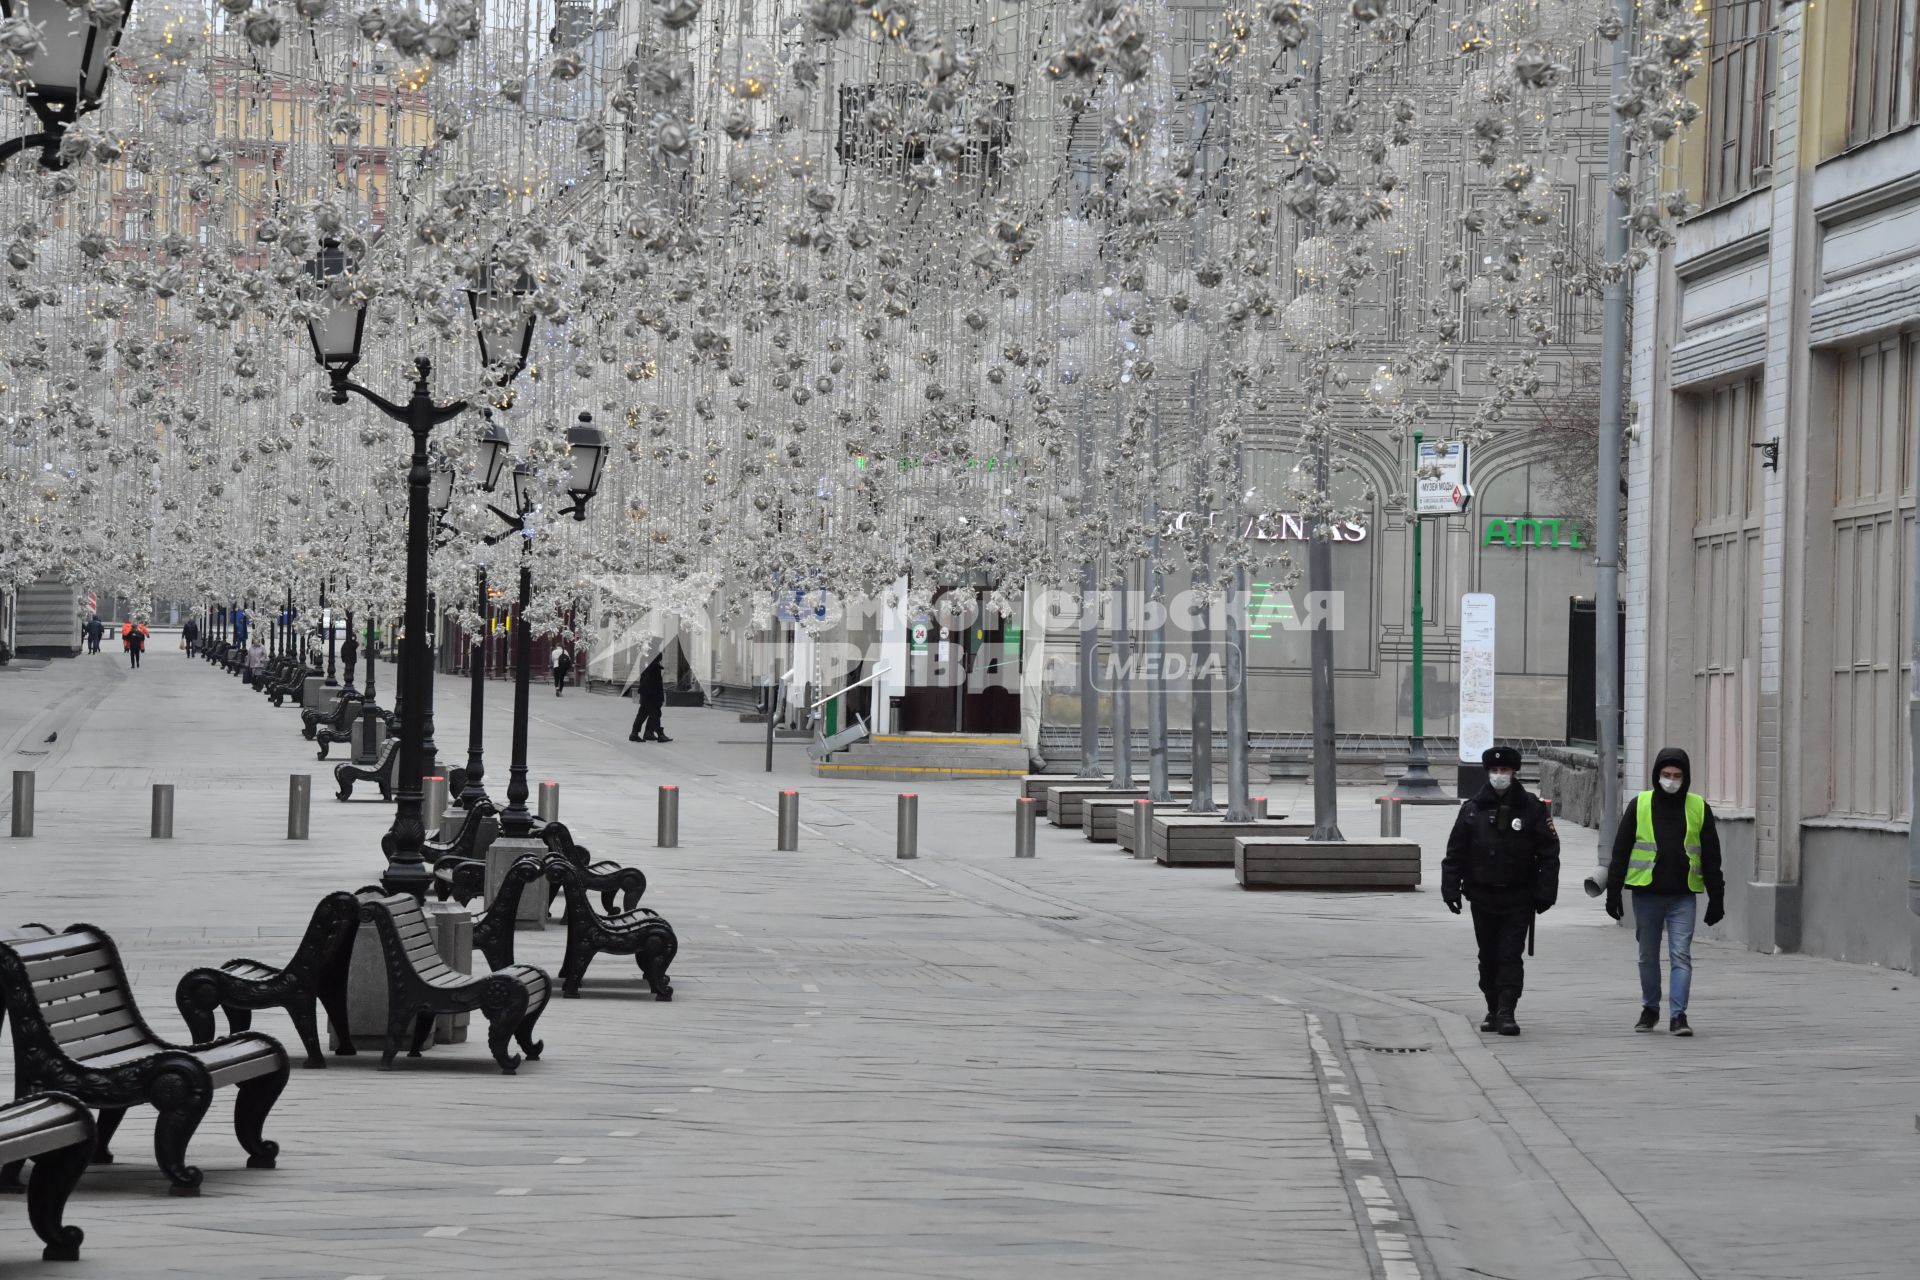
(1504,857)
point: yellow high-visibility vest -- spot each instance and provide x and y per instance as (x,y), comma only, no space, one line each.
(1645,850)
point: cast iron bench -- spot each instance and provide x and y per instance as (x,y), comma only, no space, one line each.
(459,871)
(420,984)
(77,1030)
(383,772)
(607,877)
(642,934)
(318,971)
(57,1134)
(339,721)
(493,931)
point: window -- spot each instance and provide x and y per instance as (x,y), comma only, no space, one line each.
(1884,63)
(1739,123)
(1874,429)
(1726,586)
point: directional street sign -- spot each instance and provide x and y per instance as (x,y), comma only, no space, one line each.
(1440,478)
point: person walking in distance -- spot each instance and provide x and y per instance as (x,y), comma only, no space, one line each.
(95,630)
(190,637)
(562,668)
(1667,851)
(1503,857)
(133,638)
(256,661)
(652,691)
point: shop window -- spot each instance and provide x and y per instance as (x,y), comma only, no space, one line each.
(1872,568)
(1739,121)
(1531,558)
(1724,599)
(1883,89)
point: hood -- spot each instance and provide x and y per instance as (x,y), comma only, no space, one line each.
(1667,756)
(656,660)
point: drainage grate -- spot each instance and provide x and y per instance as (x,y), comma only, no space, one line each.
(1390,1048)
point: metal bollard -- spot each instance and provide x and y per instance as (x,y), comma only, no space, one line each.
(23,802)
(907,827)
(1390,816)
(789,821)
(1259,808)
(549,802)
(1142,828)
(162,811)
(1025,811)
(433,800)
(668,834)
(299,804)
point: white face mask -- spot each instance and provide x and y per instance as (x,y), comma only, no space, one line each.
(1670,785)
(1499,781)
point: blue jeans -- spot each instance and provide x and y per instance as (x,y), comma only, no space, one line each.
(1674,912)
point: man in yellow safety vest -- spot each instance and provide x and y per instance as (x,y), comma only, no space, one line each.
(1668,852)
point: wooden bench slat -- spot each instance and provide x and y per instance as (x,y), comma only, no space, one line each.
(68,1035)
(60,965)
(104,1000)
(69,1131)
(84,1050)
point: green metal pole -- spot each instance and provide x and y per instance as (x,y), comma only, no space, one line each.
(1417,785)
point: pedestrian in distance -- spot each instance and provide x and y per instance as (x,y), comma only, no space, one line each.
(133,638)
(190,637)
(652,695)
(1503,857)
(1667,851)
(562,668)
(95,630)
(349,654)
(256,661)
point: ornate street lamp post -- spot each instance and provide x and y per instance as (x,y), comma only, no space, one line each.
(494,445)
(67,76)
(336,330)
(588,446)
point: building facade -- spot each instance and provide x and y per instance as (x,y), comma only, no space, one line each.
(1771,546)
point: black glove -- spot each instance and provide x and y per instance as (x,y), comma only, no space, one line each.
(1541,908)
(1615,907)
(1715,912)
(1453,902)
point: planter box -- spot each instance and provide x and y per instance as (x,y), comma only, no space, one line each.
(1377,866)
(1207,840)
(1066,806)
(1034,786)
(1099,816)
(1123,833)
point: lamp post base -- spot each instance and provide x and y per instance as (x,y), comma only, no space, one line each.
(1417,785)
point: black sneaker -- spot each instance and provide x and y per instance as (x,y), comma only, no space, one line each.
(1649,1018)
(1678,1025)
(1490,1023)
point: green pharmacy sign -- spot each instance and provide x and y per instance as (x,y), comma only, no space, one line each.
(1266,608)
(1530,531)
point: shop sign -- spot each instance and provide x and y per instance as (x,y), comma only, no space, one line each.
(1262,526)
(1530,531)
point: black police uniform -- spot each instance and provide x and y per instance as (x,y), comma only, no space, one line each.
(1504,857)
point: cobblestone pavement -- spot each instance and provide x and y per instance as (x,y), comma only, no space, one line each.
(959,1066)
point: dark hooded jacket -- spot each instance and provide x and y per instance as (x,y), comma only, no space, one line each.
(653,684)
(1503,850)
(1669,837)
